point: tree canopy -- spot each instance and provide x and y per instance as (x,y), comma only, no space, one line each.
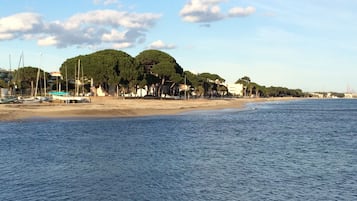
(254,89)
(159,63)
(106,67)
(153,69)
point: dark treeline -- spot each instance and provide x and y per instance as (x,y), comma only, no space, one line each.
(256,90)
(156,71)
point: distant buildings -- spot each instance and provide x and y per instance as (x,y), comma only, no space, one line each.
(235,89)
(332,95)
(350,95)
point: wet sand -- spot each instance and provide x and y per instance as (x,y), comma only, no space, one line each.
(108,107)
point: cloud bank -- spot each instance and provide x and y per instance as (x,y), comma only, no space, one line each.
(121,29)
(206,11)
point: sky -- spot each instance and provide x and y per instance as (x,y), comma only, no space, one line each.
(305,44)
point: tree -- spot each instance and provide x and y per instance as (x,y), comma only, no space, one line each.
(107,68)
(211,83)
(3,84)
(26,78)
(160,70)
(245,81)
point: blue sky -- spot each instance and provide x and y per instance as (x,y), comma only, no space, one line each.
(306,44)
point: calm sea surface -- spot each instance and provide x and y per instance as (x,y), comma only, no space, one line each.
(298,150)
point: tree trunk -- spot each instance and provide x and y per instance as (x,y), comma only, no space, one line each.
(32,91)
(160,87)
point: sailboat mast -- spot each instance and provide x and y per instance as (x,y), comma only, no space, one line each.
(44,77)
(37,78)
(10,74)
(79,72)
(82,81)
(75,79)
(66,80)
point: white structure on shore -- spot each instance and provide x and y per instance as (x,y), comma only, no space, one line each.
(3,92)
(235,89)
(350,95)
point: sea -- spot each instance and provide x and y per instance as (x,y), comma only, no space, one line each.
(291,150)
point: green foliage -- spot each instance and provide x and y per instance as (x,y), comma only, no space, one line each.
(244,80)
(5,77)
(165,69)
(106,67)
(283,92)
(27,75)
(3,84)
(160,68)
(254,89)
(152,57)
(210,77)
(148,59)
(206,84)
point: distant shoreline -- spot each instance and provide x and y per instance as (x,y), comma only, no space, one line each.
(112,107)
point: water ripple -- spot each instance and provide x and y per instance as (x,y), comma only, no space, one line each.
(303,150)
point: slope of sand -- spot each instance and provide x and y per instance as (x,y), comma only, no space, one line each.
(101,107)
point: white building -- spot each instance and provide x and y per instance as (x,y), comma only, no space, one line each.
(3,92)
(235,89)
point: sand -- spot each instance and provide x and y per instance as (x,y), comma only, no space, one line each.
(109,107)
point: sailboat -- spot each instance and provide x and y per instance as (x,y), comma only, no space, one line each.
(6,97)
(63,96)
(34,98)
(8,100)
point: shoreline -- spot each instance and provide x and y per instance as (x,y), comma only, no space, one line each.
(112,107)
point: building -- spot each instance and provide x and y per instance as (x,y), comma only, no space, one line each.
(235,89)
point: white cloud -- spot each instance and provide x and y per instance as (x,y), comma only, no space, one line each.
(112,18)
(114,35)
(122,45)
(48,41)
(159,44)
(6,36)
(241,12)
(20,23)
(84,29)
(203,11)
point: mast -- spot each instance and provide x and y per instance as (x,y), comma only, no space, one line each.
(10,74)
(18,75)
(82,81)
(66,83)
(66,80)
(37,78)
(79,72)
(44,77)
(75,79)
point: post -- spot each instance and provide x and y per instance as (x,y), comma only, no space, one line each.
(185,88)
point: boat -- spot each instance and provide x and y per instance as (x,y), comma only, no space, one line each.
(66,98)
(71,99)
(8,100)
(30,100)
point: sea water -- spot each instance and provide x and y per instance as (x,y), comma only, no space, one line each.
(297,150)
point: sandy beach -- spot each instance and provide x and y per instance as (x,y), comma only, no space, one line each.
(102,107)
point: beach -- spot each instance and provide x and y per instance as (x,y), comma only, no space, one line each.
(110,107)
